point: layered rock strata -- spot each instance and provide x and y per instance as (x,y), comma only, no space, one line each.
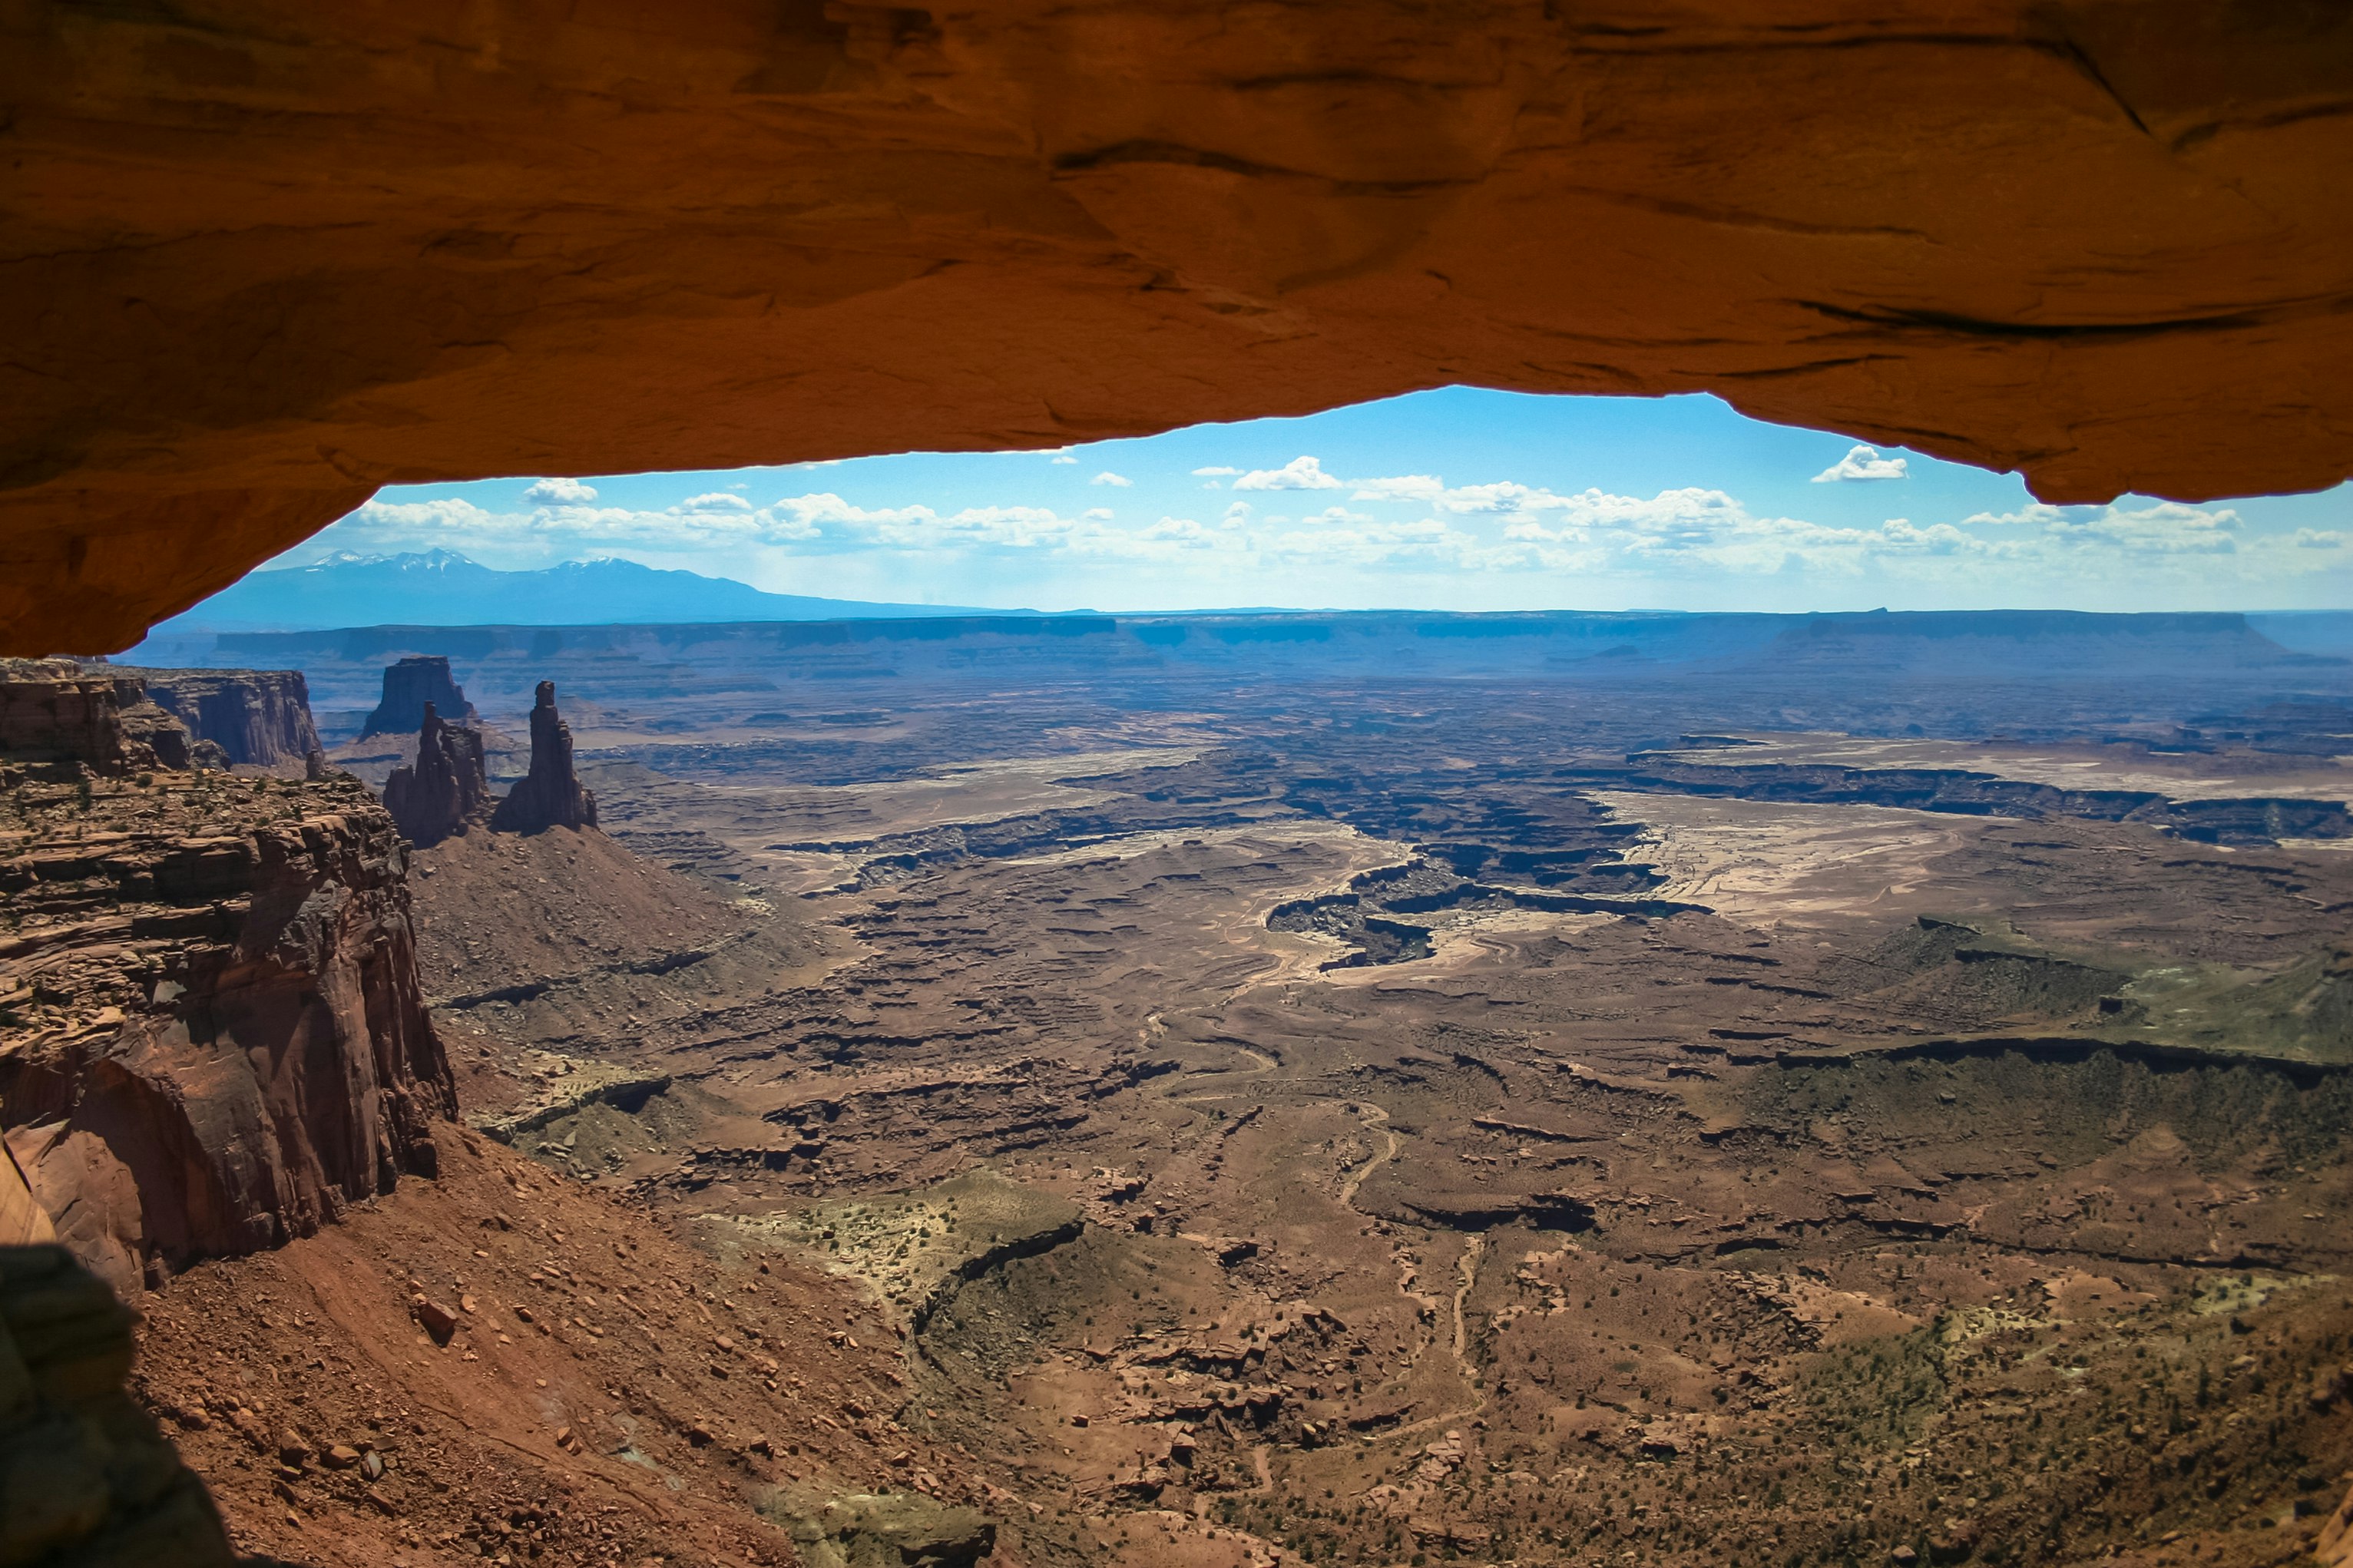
(85,1479)
(411,686)
(55,714)
(258,718)
(445,790)
(550,795)
(212,1037)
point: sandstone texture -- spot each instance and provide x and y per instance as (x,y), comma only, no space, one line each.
(267,258)
(51,712)
(412,688)
(549,795)
(211,1033)
(87,1478)
(258,718)
(445,790)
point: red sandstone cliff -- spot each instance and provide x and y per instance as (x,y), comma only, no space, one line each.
(258,718)
(212,1037)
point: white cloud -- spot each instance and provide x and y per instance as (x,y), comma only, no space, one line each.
(2161,527)
(426,516)
(1299,474)
(1408,523)
(1220,472)
(560,492)
(1108,477)
(1423,487)
(718,519)
(1863,463)
(1062,457)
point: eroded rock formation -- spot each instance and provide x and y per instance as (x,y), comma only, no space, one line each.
(53,713)
(258,718)
(550,795)
(2101,242)
(212,1036)
(445,790)
(411,688)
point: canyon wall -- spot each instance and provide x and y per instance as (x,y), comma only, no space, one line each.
(258,718)
(212,1037)
(53,713)
(2101,243)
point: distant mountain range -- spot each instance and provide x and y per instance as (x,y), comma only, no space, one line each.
(441,588)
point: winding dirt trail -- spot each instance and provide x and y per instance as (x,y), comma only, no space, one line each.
(1374,1116)
(1466,1272)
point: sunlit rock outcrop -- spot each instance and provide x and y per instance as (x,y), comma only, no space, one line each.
(212,1034)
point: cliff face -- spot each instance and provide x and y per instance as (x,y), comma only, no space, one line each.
(550,795)
(211,1032)
(409,688)
(258,718)
(445,789)
(53,713)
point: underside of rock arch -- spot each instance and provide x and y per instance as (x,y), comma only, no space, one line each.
(261,258)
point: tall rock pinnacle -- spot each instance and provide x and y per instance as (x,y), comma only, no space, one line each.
(550,795)
(445,790)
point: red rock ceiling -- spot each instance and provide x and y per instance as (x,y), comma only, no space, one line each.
(262,257)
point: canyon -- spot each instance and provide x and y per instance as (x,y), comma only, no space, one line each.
(1217,1090)
(1150,1092)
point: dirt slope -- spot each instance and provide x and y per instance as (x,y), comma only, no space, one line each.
(607,1394)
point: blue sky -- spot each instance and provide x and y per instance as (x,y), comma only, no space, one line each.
(1458,499)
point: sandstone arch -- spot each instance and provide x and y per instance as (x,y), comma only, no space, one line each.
(262,257)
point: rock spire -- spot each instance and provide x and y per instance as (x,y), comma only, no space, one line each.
(445,790)
(550,795)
